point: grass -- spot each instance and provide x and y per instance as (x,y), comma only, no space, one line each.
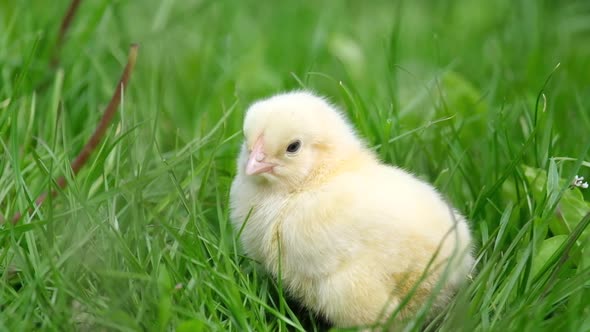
(466,94)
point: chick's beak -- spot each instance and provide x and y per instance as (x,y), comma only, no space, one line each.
(256,163)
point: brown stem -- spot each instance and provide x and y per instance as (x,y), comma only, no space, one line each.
(63,29)
(96,137)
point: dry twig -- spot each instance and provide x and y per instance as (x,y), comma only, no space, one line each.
(96,137)
(63,29)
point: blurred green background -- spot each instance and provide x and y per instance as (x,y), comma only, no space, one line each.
(455,91)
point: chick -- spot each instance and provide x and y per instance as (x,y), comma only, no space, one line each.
(350,236)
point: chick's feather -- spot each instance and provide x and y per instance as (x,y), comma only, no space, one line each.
(355,235)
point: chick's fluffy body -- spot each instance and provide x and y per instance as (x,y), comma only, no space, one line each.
(354,235)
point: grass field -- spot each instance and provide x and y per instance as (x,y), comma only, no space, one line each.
(488,100)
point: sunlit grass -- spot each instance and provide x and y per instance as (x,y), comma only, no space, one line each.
(465,94)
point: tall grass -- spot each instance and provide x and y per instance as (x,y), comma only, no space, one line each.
(466,94)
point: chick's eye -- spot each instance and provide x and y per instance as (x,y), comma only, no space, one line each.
(294,147)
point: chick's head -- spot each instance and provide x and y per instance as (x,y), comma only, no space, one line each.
(292,136)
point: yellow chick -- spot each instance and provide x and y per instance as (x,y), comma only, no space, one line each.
(349,235)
